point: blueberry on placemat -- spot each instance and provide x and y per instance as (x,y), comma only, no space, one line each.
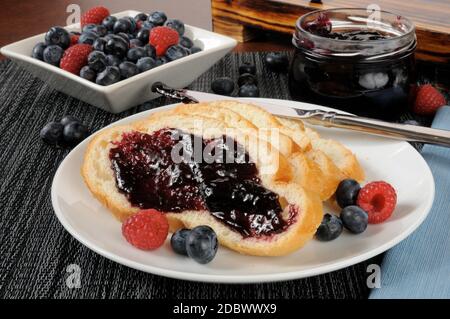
(247,67)
(222,86)
(52,133)
(248,90)
(247,78)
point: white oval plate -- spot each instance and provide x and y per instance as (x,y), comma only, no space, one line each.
(383,159)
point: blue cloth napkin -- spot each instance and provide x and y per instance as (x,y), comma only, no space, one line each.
(419,267)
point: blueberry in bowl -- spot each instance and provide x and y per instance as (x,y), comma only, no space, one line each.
(116,44)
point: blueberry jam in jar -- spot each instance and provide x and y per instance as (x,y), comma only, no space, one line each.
(357,61)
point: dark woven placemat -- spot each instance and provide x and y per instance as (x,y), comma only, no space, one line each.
(36,250)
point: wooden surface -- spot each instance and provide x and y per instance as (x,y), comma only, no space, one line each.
(431,18)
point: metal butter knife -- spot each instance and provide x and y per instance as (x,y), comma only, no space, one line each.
(403,132)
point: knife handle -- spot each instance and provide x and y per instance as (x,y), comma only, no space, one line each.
(404,132)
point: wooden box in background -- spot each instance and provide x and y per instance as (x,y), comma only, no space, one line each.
(244,19)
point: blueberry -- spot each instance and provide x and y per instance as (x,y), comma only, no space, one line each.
(88,74)
(122,25)
(354,219)
(52,133)
(157,18)
(195,49)
(128,69)
(57,36)
(141,17)
(88,28)
(38,51)
(151,51)
(109,76)
(145,64)
(247,68)
(176,52)
(135,54)
(100,30)
(247,78)
(116,46)
(178,241)
(176,25)
(109,36)
(148,25)
(113,60)
(347,192)
(124,36)
(53,54)
(277,61)
(99,44)
(186,42)
(75,132)
(134,43)
(97,61)
(330,228)
(143,35)
(88,38)
(162,60)
(68,119)
(223,86)
(109,22)
(133,24)
(248,90)
(202,244)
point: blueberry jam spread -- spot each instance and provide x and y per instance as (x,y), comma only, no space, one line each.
(162,170)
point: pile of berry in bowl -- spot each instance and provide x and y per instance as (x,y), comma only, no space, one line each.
(110,49)
(111,60)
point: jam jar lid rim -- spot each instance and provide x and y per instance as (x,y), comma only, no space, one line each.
(298,26)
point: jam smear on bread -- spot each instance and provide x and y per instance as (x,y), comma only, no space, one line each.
(226,184)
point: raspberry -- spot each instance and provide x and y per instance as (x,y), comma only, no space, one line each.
(428,100)
(378,199)
(94,16)
(162,38)
(75,58)
(74,39)
(147,230)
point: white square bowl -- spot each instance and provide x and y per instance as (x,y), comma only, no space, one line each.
(127,93)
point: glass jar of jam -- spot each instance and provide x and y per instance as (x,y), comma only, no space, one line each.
(354,60)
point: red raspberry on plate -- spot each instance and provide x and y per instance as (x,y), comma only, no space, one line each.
(428,100)
(75,58)
(147,229)
(94,16)
(162,38)
(378,199)
(74,39)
